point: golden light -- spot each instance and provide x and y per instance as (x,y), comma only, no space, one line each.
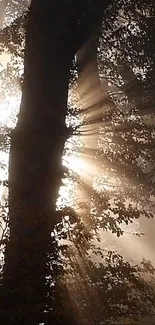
(85,165)
(66,194)
(8,111)
(76,164)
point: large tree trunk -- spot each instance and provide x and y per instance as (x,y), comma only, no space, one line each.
(35,167)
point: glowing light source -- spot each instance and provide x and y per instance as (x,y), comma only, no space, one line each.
(75,163)
(8,111)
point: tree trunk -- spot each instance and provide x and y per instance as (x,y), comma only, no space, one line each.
(35,168)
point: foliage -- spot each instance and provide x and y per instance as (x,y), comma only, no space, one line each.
(124,192)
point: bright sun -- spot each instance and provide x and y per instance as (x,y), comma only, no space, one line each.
(8,111)
(75,163)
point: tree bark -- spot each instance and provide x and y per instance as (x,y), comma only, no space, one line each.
(35,168)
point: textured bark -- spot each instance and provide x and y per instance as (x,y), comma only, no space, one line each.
(35,169)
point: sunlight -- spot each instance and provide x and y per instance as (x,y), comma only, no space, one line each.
(79,153)
(8,116)
(66,194)
(8,111)
(106,182)
(76,164)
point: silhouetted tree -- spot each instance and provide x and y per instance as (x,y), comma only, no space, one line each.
(116,289)
(36,150)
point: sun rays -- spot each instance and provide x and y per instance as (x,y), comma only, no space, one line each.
(87,171)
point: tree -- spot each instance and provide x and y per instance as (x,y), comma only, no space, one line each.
(36,151)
